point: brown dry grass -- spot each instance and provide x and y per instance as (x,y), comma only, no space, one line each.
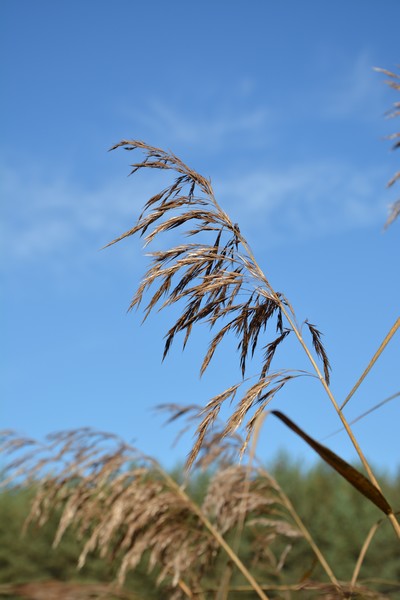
(123,504)
(60,590)
(125,507)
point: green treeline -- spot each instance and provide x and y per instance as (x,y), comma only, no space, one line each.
(338,517)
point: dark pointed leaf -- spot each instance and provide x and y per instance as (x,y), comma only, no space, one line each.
(357,479)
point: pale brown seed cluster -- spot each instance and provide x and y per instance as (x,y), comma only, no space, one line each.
(123,504)
(219,283)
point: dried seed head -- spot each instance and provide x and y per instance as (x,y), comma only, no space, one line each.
(218,281)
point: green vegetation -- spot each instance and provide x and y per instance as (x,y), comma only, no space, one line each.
(28,556)
(339,520)
(331,509)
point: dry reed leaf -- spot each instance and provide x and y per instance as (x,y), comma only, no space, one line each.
(354,477)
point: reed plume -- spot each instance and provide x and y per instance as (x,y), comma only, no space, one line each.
(220,283)
(394,83)
(123,505)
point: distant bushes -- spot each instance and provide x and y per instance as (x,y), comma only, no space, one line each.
(337,516)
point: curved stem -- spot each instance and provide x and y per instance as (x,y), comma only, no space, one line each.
(372,361)
(285,500)
(362,554)
(224,587)
(215,533)
(291,320)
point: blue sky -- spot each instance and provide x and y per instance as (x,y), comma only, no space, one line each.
(279,105)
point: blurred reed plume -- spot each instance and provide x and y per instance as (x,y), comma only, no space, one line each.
(394,83)
(124,505)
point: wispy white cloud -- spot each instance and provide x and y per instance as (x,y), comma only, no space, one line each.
(211,129)
(304,202)
(48,218)
(355,92)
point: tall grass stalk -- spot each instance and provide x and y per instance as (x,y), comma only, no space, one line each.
(215,533)
(322,379)
(211,277)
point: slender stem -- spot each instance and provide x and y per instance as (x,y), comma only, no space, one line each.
(291,321)
(362,554)
(364,414)
(285,500)
(395,524)
(372,361)
(311,359)
(391,516)
(226,577)
(232,555)
(185,588)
